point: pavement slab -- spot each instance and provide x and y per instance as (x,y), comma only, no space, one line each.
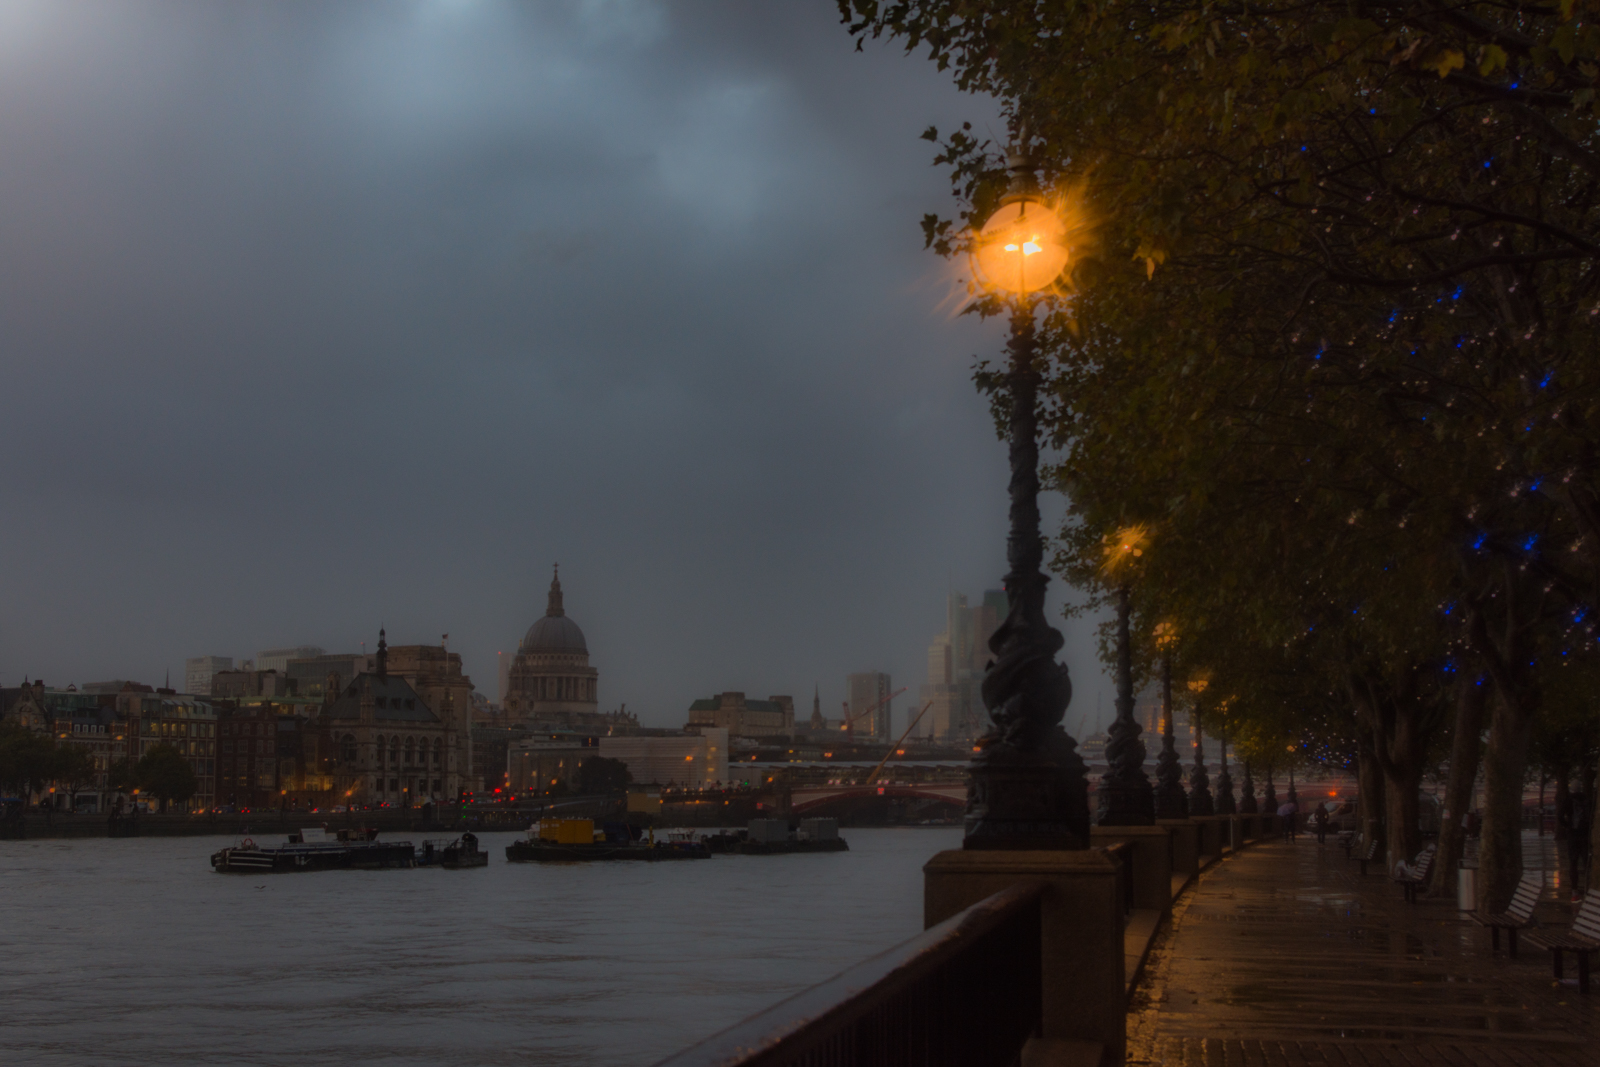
(1284,954)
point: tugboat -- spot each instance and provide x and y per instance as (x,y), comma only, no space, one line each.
(575,839)
(453,855)
(316,849)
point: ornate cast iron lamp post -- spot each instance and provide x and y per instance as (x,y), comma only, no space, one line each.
(1170,800)
(1027,787)
(1199,784)
(1225,801)
(1125,796)
(1247,803)
(1269,796)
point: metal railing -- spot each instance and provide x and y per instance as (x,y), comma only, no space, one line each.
(964,993)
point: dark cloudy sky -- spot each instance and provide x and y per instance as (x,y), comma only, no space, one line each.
(320,316)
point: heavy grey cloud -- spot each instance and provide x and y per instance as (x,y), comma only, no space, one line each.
(316,317)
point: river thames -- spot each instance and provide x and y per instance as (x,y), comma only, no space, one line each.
(122,952)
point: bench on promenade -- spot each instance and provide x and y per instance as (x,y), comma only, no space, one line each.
(1581,939)
(1366,855)
(1415,876)
(1518,914)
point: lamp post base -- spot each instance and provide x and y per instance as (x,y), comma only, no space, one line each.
(1124,804)
(1020,801)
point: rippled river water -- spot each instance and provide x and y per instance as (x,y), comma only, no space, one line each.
(133,952)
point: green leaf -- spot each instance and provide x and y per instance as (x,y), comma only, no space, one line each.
(1446,61)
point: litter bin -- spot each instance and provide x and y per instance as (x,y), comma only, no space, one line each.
(1467,888)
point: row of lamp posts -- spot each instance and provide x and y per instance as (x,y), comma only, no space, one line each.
(1028,785)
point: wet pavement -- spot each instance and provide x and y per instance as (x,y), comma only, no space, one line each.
(1285,954)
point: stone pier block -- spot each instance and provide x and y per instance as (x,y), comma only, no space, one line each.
(1152,861)
(1081,950)
(1185,846)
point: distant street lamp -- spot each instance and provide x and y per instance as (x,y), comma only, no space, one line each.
(1225,802)
(1199,784)
(1170,800)
(1027,788)
(1125,795)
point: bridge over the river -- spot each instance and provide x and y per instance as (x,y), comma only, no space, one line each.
(810,799)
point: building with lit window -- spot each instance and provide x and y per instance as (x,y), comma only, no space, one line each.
(381,743)
(773,717)
(686,761)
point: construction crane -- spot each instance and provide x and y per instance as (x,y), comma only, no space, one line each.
(850,720)
(873,777)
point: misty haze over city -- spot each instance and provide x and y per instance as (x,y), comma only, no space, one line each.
(330,318)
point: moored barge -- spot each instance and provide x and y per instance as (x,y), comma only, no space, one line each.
(772,837)
(315,849)
(557,840)
(455,855)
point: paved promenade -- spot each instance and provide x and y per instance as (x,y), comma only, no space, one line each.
(1285,954)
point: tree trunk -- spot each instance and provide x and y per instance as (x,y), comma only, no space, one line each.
(1401,786)
(1562,774)
(1465,746)
(1400,720)
(1505,767)
(1594,831)
(1370,802)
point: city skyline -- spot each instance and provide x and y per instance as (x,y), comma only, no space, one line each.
(395,394)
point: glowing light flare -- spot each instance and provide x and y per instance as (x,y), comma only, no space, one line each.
(1022,248)
(1126,546)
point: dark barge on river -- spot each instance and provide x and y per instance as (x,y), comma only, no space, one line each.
(316,849)
(772,837)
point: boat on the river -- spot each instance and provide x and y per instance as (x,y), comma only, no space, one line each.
(554,840)
(772,837)
(453,855)
(315,849)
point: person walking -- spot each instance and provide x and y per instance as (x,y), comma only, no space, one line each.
(1286,812)
(1319,822)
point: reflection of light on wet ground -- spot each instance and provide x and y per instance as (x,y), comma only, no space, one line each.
(1285,953)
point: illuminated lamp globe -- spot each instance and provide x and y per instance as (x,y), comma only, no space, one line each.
(1021,248)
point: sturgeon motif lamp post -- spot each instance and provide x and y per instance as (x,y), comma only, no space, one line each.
(1125,796)
(1171,803)
(1225,802)
(1199,784)
(1027,788)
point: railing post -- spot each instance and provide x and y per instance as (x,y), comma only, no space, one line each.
(1081,944)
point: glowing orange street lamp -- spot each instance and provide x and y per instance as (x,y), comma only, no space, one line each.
(1027,788)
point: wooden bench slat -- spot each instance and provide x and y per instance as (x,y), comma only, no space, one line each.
(1556,939)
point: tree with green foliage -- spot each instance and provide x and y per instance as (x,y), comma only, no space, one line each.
(1331,339)
(599,774)
(74,771)
(27,760)
(165,774)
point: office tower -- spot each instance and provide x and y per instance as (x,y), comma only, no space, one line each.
(870,705)
(277,659)
(198,672)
